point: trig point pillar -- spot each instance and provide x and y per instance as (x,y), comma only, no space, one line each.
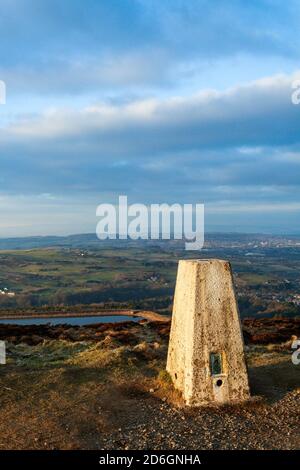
(206,350)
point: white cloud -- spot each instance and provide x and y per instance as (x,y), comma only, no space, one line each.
(248,116)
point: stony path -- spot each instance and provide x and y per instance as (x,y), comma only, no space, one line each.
(158,426)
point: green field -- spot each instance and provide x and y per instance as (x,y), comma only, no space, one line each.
(141,276)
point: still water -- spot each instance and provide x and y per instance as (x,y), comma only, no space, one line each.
(70,320)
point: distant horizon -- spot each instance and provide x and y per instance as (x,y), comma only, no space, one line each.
(208,233)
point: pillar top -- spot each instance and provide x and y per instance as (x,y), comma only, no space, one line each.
(204,261)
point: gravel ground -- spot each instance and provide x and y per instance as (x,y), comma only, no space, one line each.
(153,425)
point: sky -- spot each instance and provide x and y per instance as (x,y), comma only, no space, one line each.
(165,101)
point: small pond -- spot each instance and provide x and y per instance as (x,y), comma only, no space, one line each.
(70,320)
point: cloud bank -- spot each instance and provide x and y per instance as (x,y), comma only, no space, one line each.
(163,101)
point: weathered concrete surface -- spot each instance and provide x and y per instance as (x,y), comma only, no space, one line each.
(206,321)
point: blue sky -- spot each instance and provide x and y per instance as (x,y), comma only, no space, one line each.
(163,101)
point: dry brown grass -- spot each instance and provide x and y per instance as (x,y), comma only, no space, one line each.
(66,395)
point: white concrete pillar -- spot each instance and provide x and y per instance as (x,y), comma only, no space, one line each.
(206,350)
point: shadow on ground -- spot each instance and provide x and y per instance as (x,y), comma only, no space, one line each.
(274,381)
